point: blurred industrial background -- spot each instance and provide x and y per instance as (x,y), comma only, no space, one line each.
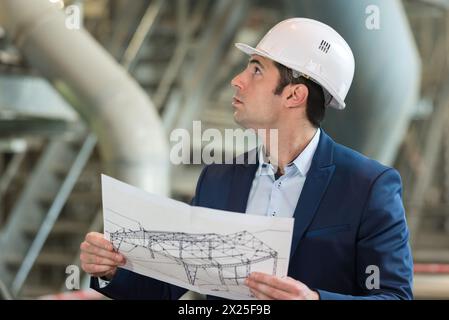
(75,103)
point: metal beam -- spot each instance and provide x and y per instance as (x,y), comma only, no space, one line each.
(132,141)
(226,18)
(143,31)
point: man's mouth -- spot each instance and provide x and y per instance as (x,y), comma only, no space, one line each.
(236,101)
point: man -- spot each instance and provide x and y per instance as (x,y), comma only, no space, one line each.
(350,238)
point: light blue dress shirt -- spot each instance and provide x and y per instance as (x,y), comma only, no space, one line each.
(271,197)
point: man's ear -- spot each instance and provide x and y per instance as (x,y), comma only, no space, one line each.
(296,95)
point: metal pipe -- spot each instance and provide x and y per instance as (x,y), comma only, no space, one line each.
(131,138)
(386,85)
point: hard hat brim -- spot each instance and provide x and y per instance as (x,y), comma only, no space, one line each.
(250,50)
(334,102)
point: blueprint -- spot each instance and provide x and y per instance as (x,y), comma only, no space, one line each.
(204,250)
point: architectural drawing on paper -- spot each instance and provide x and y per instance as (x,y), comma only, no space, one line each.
(230,256)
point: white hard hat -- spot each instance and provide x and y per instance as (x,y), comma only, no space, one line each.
(313,49)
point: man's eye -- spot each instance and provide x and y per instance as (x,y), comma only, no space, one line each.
(257,70)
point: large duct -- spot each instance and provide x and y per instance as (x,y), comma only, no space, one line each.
(131,138)
(387,78)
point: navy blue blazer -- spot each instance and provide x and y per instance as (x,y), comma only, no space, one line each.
(349,217)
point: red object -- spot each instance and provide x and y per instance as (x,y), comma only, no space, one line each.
(74,295)
(431,268)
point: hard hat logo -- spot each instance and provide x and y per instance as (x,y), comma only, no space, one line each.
(313,50)
(324,46)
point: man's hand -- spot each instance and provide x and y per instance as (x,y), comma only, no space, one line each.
(268,287)
(98,257)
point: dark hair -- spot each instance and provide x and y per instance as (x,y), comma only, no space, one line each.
(315,108)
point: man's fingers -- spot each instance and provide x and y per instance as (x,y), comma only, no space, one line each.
(95,259)
(98,257)
(96,269)
(88,248)
(267,290)
(260,295)
(97,245)
(283,284)
(97,239)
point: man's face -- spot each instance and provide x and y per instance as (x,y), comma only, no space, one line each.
(255,104)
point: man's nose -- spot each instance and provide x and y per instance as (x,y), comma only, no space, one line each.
(237,81)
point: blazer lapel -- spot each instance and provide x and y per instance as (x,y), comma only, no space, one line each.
(241,183)
(318,178)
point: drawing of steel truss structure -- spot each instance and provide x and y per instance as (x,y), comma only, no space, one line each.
(231,255)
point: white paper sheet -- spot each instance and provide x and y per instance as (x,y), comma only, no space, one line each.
(205,250)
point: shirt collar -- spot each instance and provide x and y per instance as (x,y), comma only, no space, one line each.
(302,162)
